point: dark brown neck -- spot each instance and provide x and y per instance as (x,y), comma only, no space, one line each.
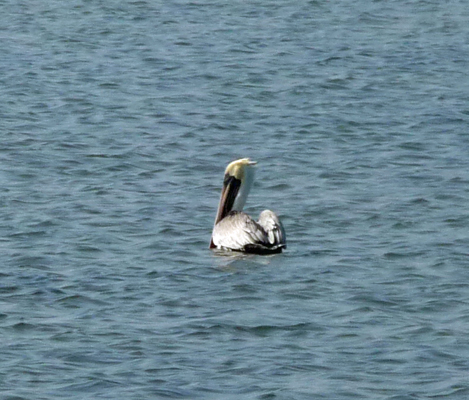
(231,187)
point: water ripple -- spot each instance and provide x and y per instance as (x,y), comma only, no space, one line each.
(118,121)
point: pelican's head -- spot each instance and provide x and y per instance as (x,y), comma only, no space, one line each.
(239,176)
(239,168)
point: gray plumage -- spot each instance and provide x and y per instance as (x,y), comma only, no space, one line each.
(238,231)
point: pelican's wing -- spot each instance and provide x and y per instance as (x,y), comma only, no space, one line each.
(238,231)
(273,228)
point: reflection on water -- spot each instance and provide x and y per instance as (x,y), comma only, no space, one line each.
(232,261)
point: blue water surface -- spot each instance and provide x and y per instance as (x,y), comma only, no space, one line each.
(117,121)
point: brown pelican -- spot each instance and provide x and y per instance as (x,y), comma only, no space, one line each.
(235,230)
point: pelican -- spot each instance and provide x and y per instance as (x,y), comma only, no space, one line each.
(235,230)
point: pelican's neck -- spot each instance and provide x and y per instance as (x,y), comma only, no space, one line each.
(239,176)
(244,190)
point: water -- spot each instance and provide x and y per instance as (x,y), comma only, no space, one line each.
(117,120)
